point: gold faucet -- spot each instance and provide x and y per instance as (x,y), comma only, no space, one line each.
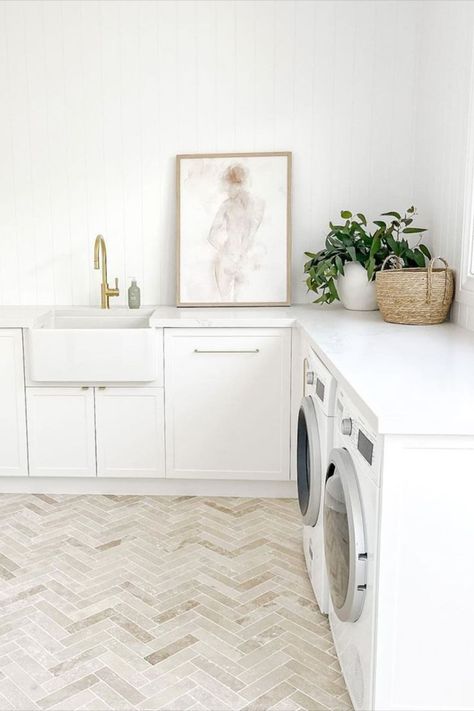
(105,291)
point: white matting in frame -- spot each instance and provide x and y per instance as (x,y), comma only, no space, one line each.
(234,241)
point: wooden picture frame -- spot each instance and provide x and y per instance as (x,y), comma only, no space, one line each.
(233,219)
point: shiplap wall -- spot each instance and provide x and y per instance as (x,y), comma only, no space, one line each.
(98,97)
(445,83)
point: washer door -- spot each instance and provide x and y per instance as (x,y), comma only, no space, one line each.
(344,537)
(309,465)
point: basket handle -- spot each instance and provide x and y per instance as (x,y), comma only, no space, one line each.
(392,257)
(429,285)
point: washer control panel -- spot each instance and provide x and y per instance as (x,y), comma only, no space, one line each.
(318,382)
(346,426)
(354,431)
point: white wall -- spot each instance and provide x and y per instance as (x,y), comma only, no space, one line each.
(444,85)
(98,97)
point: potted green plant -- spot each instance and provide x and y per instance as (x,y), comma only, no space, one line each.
(345,269)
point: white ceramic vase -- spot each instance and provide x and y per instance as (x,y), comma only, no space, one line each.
(355,292)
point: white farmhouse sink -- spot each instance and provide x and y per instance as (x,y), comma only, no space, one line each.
(90,345)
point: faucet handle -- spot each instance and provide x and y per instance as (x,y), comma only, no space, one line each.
(115,291)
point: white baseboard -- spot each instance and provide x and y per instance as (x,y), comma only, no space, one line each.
(157,487)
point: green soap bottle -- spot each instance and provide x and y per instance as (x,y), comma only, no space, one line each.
(133,295)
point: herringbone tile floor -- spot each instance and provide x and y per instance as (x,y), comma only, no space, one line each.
(172,603)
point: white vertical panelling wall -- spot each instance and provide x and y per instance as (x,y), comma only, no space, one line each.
(445,80)
(98,97)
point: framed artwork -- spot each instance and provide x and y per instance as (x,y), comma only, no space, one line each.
(233,222)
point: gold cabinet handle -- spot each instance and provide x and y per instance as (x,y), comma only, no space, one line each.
(250,350)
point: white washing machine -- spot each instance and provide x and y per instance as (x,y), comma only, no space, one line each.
(314,442)
(350,543)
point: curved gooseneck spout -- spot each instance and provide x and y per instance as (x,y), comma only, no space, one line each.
(100,250)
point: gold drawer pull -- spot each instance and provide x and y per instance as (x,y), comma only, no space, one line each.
(252,350)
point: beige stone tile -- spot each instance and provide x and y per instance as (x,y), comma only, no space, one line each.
(306,702)
(168,651)
(67,691)
(334,687)
(164,698)
(110,698)
(272,698)
(15,696)
(315,692)
(119,685)
(29,686)
(219,673)
(266,682)
(213,592)
(206,701)
(77,701)
(226,696)
(267,664)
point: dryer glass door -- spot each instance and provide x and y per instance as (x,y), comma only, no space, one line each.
(309,465)
(344,537)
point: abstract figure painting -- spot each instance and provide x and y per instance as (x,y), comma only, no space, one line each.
(233,229)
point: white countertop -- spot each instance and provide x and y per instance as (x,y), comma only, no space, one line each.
(21,316)
(405,379)
(172,317)
(412,379)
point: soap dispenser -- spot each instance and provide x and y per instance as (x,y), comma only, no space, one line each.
(133,295)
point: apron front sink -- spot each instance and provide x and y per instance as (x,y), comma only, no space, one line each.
(91,345)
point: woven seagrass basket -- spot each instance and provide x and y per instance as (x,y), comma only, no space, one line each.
(415,296)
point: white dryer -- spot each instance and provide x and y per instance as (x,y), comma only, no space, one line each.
(314,442)
(350,542)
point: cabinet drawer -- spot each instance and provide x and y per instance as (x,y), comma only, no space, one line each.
(228,403)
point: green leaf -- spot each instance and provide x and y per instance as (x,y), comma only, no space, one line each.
(362,218)
(375,246)
(419,258)
(346,215)
(391,214)
(392,242)
(370,268)
(411,210)
(423,248)
(332,289)
(380,223)
(413,230)
(339,265)
(352,253)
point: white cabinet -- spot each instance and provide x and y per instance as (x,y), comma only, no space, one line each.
(61,431)
(228,403)
(13,456)
(130,432)
(69,427)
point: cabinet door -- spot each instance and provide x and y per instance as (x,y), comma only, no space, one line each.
(13,457)
(130,432)
(227,403)
(61,431)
